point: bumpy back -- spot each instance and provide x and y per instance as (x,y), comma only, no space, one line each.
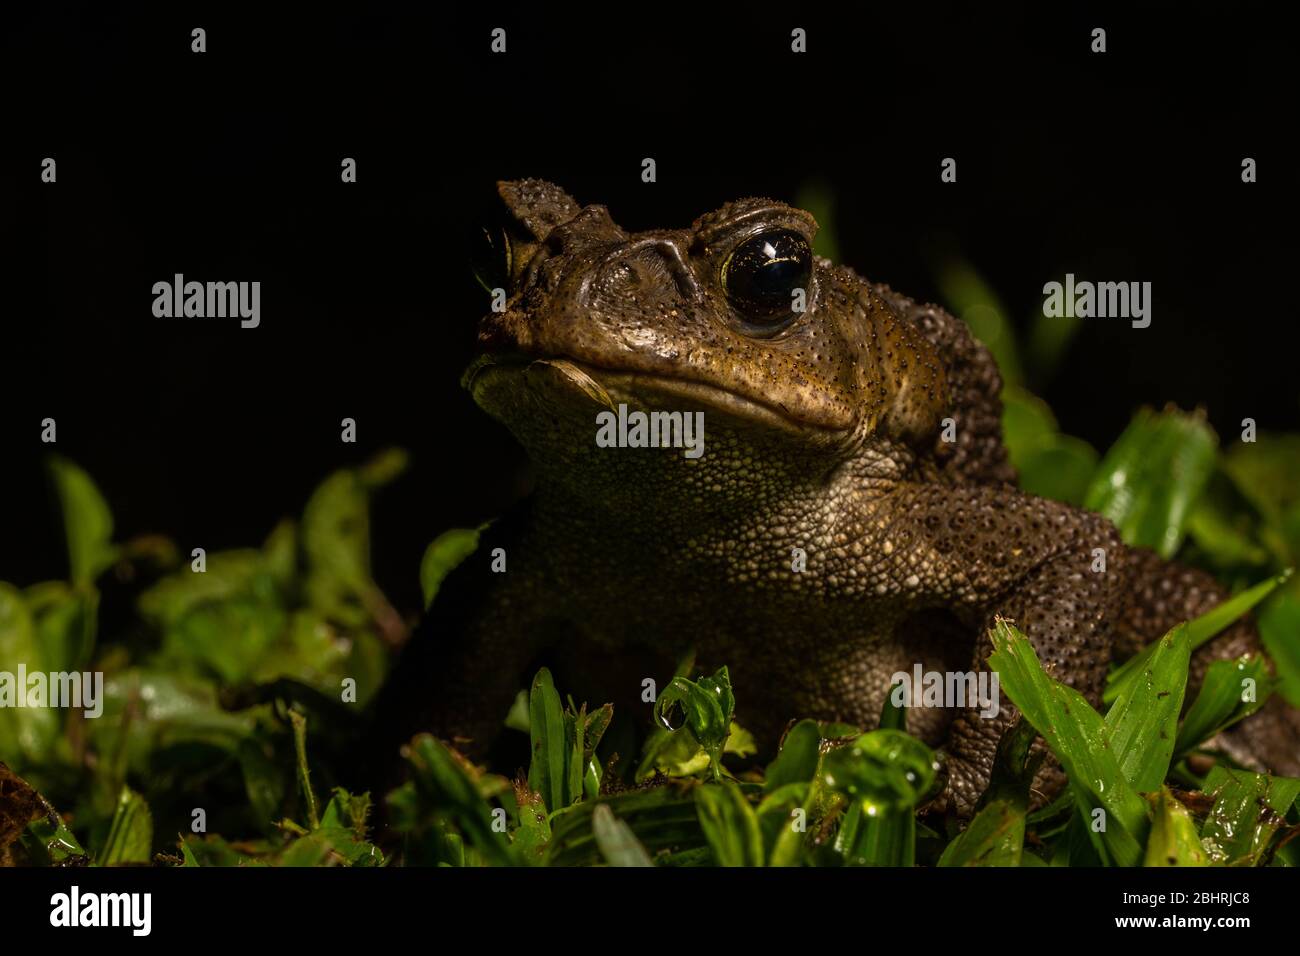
(978,456)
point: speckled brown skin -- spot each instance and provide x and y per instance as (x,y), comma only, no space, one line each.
(823,435)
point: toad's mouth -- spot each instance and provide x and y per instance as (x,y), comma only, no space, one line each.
(607,387)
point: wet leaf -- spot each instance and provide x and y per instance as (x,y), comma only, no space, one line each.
(884,774)
(994,837)
(1199,631)
(1142,725)
(1151,477)
(1173,840)
(1219,702)
(1077,736)
(706,706)
(1249,808)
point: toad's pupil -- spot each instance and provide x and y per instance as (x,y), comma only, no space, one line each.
(763,273)
(778,275)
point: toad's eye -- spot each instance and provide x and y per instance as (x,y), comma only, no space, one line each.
(492,257)
(762,273)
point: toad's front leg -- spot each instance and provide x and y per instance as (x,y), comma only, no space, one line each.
(1055,571)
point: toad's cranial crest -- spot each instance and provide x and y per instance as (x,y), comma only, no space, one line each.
(845,422)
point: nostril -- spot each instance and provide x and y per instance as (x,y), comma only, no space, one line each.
(670,255)
(645,271)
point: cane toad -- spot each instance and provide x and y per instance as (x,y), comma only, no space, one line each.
(853,514)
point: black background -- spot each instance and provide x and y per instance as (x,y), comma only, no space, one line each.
(225,166)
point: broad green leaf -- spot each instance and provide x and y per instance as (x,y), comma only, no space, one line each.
(1219,703)
(973,301)
(1279,629)
(1142,724)
(782,820)
(1077,735)
(27,733)
(336,540)
(1173,840)
(1151,477)
(49,842)
(65,619)
(618,844)
(87,522)
(1264,471)
(167,711)
(798,758)
(1227,527)
(995,837)
(130,837)
(226,639)
(1049,463)
(533,832)
(442,556)
(1014,766)
(1249,808)
(1199,631)
(548,773)
(893,716)
(730,824)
